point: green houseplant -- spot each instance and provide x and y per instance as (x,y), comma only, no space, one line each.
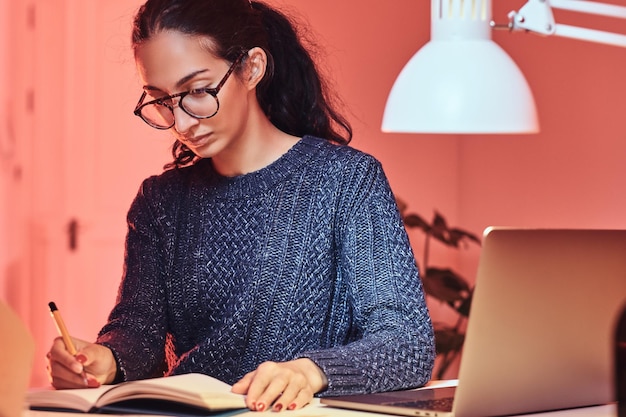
(443,284)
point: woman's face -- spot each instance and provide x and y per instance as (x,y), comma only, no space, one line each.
(172,62)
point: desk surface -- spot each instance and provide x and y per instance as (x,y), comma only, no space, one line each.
(318,410)
(315,409)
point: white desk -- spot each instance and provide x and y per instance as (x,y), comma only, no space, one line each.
(317,410)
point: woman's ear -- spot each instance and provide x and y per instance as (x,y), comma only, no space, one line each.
(256,65)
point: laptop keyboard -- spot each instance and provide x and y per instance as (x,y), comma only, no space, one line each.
(439,404)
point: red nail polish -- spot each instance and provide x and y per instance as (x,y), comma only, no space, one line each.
(92,383)
(260,407)
(292,406)
(81,358)
(278,407)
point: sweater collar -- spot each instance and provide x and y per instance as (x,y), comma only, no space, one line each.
(257,182)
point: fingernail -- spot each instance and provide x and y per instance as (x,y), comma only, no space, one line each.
(278,407)
(260,406)
(292,406)
(77,368)
(81,358)
(92,383)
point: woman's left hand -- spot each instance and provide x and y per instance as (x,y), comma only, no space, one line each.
(281,385)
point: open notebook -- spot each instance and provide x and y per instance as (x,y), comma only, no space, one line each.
(541,329)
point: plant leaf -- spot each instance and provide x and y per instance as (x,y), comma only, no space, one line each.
(440,228)
(464,307)
(445,285)
(415,221)
(447,339)
(459,235)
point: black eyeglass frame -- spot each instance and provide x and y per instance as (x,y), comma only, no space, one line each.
(162,100)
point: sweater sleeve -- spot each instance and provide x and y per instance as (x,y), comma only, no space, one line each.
(136,329)
(395,342)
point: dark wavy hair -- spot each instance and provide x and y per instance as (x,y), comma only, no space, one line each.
(292,94)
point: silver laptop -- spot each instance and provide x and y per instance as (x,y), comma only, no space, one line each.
(541,330)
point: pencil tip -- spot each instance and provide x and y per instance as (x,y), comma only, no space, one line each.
(53,307)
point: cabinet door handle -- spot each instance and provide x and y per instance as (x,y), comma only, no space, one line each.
(72,232)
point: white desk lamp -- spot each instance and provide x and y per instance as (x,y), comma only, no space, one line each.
(462,82)
(536,16)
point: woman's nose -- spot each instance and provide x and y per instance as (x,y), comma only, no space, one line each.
(183,121)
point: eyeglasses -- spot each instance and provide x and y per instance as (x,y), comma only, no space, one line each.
(201,103)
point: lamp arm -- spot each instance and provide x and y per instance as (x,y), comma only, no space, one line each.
(536,16)
(590,7)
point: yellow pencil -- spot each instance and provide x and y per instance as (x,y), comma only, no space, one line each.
(58,320)
(67,340)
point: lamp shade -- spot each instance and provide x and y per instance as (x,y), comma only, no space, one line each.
(461,81)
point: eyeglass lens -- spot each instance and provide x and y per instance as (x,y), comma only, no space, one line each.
(196,103)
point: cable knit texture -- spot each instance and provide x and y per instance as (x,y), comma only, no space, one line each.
(307,257)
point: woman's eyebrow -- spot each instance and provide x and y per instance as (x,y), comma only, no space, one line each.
(180,82)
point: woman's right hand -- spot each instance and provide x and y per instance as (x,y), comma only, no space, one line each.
(92,366)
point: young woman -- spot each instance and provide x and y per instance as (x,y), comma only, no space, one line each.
(269,254)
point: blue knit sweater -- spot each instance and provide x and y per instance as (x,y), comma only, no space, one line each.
(306,257)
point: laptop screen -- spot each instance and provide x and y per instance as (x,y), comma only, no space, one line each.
(541,327)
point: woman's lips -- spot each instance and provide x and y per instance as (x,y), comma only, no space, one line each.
(198,140)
